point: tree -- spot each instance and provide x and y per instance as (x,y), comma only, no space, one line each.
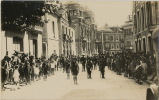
(23,14)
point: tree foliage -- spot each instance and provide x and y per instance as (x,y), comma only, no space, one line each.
(22,14)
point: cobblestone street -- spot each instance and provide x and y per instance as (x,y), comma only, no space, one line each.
(58,87)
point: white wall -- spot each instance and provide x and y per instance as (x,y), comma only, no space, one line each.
(26,43)
(53,42)
(39,42)
(7,42)
(73,43)
(3,44)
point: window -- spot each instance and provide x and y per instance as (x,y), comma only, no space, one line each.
(66,30)
(53,28)
(117,38)
(35,47)
(106,37)
(18,44)
(71,12)
(75,12)
(69,32)
(72,34)
(117,46)
(63,31)
(112,38)
(80,13)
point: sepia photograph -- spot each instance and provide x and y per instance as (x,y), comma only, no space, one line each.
(79,50)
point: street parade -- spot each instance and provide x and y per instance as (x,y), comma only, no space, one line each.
(79,50)
(21,68)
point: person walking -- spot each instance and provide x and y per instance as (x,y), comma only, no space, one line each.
(74,70)
(45,70)
(102,67)
(144,66)
(83,61)
(68,69)
(89,67)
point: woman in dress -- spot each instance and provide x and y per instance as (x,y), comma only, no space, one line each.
(68,69)
(36,72)
(52,67)
(16,76)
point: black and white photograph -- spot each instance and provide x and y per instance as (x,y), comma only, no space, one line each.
(79,50)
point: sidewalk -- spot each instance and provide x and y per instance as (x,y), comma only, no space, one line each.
(149,81)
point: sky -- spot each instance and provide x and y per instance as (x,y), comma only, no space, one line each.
(113,13)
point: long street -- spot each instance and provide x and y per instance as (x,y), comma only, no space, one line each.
(58,87)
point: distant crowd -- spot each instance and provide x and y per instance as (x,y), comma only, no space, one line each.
(24,69)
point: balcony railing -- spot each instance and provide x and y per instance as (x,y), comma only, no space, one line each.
(36,29)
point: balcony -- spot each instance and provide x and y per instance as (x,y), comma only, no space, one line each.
(128,47)
(64,37)
(36,29)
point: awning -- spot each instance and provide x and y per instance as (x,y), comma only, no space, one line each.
(155,33)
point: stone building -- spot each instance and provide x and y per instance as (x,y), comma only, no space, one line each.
(85,29)
(145,21)
(67,34)
(59,34)
(109,40)
(50,35)
(29,41)
(128,35)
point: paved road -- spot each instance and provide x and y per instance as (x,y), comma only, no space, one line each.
(58,87)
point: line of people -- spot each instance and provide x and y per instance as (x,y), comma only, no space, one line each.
(21,68)
(136,66)
(24,69)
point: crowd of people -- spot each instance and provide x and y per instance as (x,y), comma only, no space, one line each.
(136,66)
(22,68)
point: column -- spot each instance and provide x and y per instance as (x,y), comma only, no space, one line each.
(39,45)
(26,42)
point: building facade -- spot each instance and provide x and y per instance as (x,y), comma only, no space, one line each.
(50,35)
(59,34)
(110,40)
(85,29)
(145,21)
(127,29)
(28,41)
(67,35)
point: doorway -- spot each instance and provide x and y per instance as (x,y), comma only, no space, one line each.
(144,46)
(35,46)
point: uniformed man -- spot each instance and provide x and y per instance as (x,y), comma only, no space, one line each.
(89,67)
(83,61)
(102,67)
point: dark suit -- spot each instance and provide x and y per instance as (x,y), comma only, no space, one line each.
(89,67)
(102,67)
(83,60)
